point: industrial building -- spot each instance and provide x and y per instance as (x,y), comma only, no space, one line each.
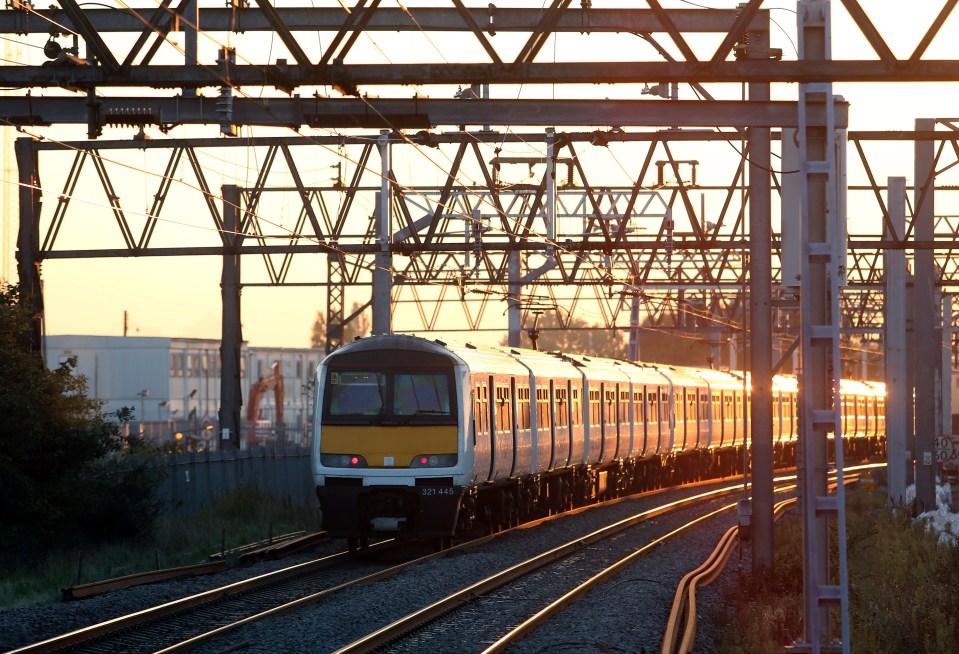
(173,387)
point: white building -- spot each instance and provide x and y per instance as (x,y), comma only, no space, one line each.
(173,385)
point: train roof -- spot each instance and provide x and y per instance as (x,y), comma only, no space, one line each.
(544,364)
(857,387)
(485,358)
(394,342)
(601,368)
(721,380)
(682,376)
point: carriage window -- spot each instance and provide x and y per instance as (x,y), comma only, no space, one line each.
(577,408)
(542,409)
(357,393)
(611,416)
(522,401)
(594,407)
(562,407)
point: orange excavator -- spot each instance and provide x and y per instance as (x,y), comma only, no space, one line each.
(271,381)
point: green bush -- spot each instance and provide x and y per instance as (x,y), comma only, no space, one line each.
(67,475)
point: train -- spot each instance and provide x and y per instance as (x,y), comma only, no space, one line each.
(422,438)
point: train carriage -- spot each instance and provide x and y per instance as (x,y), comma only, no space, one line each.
(427,439)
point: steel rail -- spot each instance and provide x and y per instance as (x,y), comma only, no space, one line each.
(131,620)
(684,601)
(116,625)
(312,599)
(468,594)
(545,614)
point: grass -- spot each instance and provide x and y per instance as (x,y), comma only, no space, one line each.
(902,583)
(243,517)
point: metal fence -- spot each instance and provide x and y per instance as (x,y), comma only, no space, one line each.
(196,479)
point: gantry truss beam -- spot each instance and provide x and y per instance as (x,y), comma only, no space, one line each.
(652,240)
(412,114)
(112,62)
(287,77)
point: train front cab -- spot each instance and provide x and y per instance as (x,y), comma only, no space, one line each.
(388,455)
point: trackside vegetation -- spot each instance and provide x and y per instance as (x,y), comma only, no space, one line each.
(68,477)
(243,516)
(902,588)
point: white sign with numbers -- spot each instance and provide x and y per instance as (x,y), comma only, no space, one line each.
(947,449)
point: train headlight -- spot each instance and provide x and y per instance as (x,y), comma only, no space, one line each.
(343,461)
(433,461)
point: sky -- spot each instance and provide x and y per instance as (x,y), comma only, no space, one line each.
(181,296)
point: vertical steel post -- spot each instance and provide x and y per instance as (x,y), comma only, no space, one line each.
(231,395)
(898,390)
(760,327)
(927,321)
(633,349)
(28,237)
(549,209)
(514,300)
(383,261)
(946,367)
(191,38)
(822,267)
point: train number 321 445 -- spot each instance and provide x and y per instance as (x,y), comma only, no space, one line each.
(437,490)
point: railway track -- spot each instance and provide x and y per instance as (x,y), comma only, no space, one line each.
(532,594)
(497,603)
(170,624)
(186,623)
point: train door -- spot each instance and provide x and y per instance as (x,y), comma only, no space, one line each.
(543,429)
(610,420)
(561,420)
(862,420)
(503,436)
(880,415)
(482,439)
(740,435)
(651,419)
(747,411)
(844,418)
(594,429)
(577,450)
(623,424)
(637,442)
(777,416)
(680,410)
(716,418)
(553,435)
(729,422)
(705,424)
(523,449)
(668,415)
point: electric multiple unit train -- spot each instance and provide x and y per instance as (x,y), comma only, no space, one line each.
(422,438)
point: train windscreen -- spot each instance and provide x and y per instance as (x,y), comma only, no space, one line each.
(388,396)
(357,393)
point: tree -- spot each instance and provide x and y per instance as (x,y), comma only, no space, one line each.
(358,326)
(579,338)
(67,475)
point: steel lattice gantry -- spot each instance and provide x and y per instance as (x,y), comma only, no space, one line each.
(478,233)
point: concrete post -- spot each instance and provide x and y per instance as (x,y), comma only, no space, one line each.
(927,321)
(898,390)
